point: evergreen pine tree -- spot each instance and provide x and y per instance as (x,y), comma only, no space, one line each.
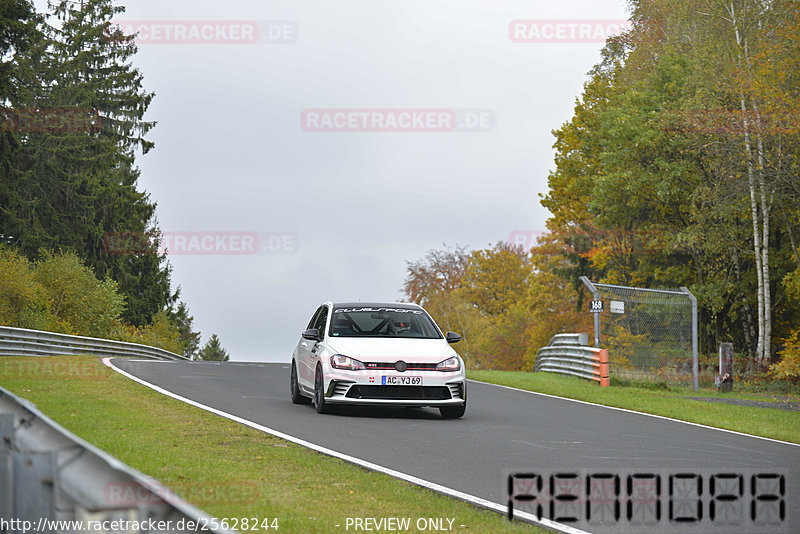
(213,351)
(189,338)
(72,185)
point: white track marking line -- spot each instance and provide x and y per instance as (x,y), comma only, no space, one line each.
(358,461)
(640,413)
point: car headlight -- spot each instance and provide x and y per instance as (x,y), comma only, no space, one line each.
(450,364)
(339,361)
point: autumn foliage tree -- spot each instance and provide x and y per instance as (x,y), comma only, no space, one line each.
(506,303)
(680,165)
(439,271)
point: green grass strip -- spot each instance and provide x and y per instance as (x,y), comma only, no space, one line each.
(772,423)
(225,468)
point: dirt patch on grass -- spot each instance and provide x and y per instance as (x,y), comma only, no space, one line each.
(791,406)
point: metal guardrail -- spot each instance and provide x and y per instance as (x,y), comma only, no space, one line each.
(568,354)
(571,340)
(48,474)
(24,342)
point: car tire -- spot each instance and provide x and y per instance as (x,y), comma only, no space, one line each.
(319,392)
(297,397)
(453,412)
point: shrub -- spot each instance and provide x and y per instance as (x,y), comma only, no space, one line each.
(58,293)
(79,302)
(789,366)
(623,347)
(22,300)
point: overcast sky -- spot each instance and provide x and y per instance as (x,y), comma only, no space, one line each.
(239,155)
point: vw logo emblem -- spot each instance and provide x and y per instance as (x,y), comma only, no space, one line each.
(401,366)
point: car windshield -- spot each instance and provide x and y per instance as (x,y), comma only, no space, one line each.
(382,322)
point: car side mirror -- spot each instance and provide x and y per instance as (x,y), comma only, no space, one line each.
(452,337)
(311,334)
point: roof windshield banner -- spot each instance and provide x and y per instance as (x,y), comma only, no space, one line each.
(379,310)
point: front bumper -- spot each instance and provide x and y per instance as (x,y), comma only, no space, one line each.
(367,388)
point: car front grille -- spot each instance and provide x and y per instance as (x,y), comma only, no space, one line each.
(384,366)
(400,392)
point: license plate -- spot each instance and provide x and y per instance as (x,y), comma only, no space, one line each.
(401,381)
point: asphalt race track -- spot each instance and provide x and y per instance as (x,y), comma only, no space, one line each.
(503,431)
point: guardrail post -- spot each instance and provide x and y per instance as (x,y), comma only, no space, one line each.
(602,356)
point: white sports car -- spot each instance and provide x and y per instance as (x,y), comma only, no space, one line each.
(378,354)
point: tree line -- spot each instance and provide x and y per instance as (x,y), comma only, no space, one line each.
(504,300)
(679,167)
(72,123)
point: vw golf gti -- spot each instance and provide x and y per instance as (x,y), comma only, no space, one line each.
(377,354)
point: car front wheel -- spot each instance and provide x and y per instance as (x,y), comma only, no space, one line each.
(319,392)
(453,412)
(297,397)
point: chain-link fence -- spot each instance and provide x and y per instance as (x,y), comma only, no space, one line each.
(650,334)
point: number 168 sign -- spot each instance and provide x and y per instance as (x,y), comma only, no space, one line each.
(596,306)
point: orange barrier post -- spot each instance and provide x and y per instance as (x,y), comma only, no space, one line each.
(602,357)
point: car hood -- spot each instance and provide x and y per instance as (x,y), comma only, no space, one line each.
(392,349)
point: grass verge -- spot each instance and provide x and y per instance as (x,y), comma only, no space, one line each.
(227,469)
(767,422)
